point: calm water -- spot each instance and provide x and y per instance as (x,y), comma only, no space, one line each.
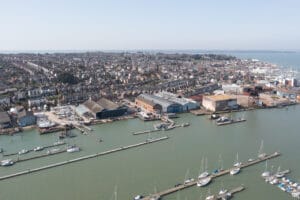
(161,165)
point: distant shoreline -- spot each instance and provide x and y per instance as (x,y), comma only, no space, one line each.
(183,51)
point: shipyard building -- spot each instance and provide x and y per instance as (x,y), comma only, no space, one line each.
(151,102)
(101,109)
(219,102)
(186,104)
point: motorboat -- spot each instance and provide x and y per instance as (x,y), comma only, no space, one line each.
(203,182)
(6,163)
(39,148)
(23,151)
(223,119)
(235,171)
(73,149)
(138,197)
(214,116)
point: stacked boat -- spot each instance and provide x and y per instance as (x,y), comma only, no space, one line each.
(282,182)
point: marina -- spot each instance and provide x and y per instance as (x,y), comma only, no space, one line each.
(184,150)
(150,141)
(213,176)
(44,147)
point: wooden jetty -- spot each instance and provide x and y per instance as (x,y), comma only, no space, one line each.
(28,171)
(29,150)
(219,174)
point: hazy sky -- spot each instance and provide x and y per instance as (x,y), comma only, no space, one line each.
(151,24)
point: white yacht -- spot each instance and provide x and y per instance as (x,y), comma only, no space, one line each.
(203,182)
(237,163)
(266,173)
(8,162)
(203,175)
(261,153)
(222,191)
(138,197)
(72,149)
(39,148)
(235,171)
(23,151)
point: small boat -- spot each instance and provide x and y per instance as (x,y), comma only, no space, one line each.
(53,151)
(261,153)
(23,151)
(38,148)
(211,197)
(6,163)
(203,182)
(250,160)
(203,175)
(237,163)
(214,116)
(223,119)
(275,181)
(189,180)
(266,173)
(185,124)
(59,143)
(72,149)
(223,191)
(138,197)
(235,171)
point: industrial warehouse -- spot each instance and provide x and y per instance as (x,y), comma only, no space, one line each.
(101,109)
(165,102)
(219,102)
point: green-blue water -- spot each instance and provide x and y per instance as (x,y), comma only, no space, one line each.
(161,165)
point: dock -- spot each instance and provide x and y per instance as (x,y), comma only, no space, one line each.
(28,171)
(231,192)
(230,122)
(170,127)
(144,132)
(30,150)
(40,156)
(213,176)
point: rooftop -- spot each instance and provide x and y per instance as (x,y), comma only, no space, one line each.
(221,97)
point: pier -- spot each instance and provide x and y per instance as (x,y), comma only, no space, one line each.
(213,176)
(28,171)
(40,156)
(231,192)
(29,150)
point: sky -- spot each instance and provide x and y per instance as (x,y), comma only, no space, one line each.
(149,24)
